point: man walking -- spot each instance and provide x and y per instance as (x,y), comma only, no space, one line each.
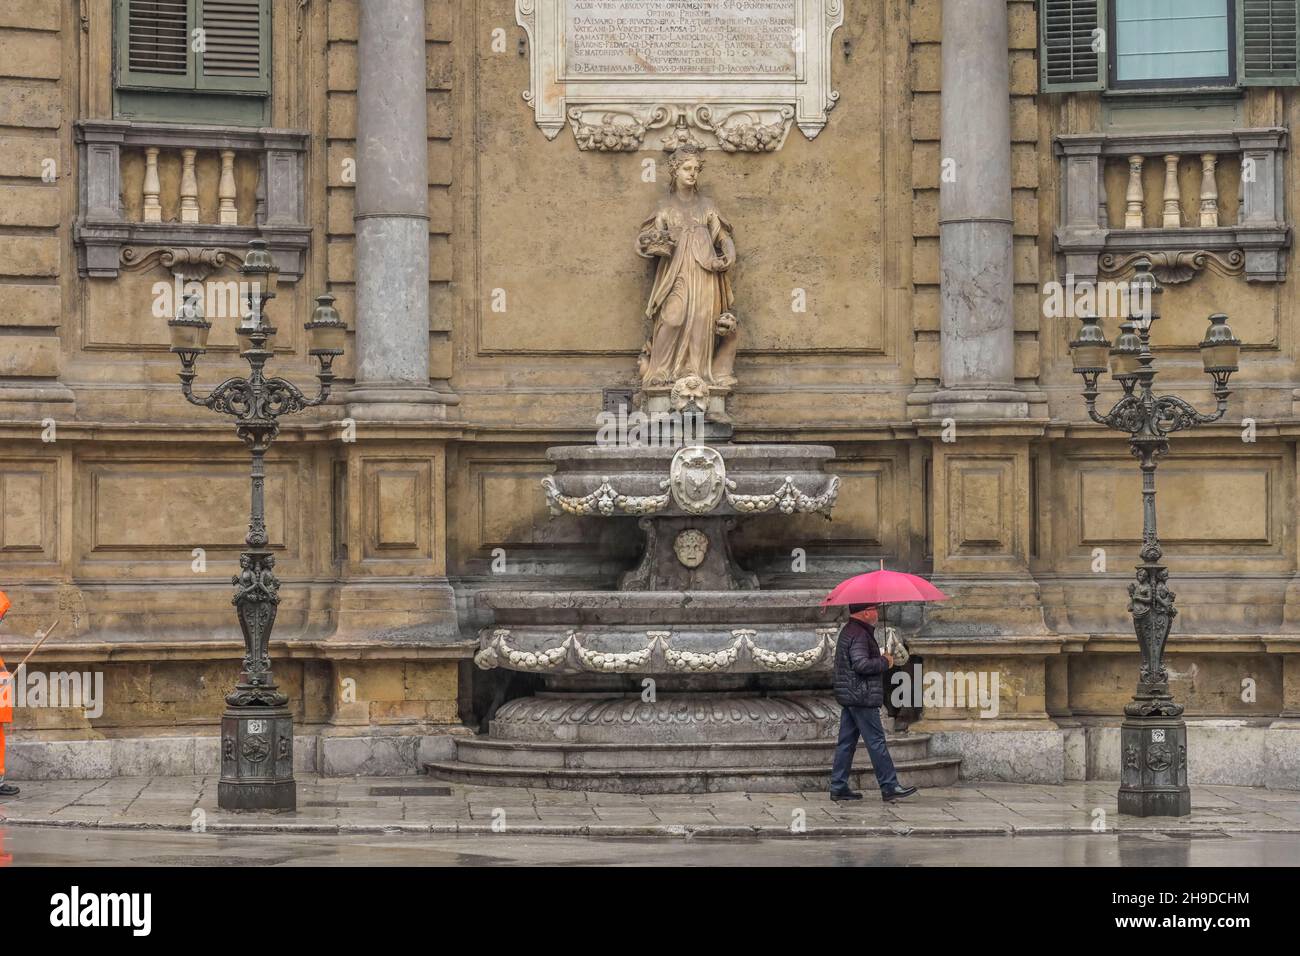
(860,690)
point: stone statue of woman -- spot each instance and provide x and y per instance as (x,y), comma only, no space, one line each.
(692,346)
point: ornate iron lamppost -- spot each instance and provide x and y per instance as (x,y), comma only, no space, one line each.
(257,726)
(1153,736)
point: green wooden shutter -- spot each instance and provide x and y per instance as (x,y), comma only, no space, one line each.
(153,44)
(1267,52)
(236,38)
(1072,45)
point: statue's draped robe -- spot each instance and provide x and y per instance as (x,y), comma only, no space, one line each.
(688,296)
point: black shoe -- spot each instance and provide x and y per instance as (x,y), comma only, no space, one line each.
(838,795)
(898,793)
(8,790)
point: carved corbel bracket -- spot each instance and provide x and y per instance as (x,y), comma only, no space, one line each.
(189,263)
(1173,267)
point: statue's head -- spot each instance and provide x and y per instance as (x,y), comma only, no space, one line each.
(685,164)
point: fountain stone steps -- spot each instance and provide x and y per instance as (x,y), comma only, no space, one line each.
(929,772)
(485,752)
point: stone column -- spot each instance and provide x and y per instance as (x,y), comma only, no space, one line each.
(392,220)
(977,344)
(980,423)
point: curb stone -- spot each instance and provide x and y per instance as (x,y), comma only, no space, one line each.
(665,831)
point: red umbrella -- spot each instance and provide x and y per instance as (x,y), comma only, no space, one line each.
(884,587)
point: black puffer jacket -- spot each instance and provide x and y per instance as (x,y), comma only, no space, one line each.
(859,668)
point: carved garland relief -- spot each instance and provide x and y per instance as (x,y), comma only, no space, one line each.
(572,656)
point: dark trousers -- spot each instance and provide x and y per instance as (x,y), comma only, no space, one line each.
(866,722)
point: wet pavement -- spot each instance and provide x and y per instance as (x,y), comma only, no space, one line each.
(59,846)
(416,806)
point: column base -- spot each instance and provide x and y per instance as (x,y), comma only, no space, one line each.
(994,402)
(36,401)
(1153,768)
(396,401)
(257,760)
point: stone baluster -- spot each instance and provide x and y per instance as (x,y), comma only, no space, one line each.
(259,194)
(1173,213)
(227,215)
(1209,191)
(1103,201)
(1134,201)
(189,187)
(152,207)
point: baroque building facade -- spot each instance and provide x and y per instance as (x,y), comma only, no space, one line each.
(895,261)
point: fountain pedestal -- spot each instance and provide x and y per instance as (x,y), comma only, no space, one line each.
(689,678)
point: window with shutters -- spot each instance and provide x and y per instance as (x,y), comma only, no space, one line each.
(1130,45)
(1072,41)
(193,55)
(1269,42)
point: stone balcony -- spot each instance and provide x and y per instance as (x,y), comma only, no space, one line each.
(146,186)
(1183,200)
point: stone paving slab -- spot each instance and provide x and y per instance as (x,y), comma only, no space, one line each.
(349,805)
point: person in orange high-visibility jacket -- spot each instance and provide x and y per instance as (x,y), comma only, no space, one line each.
(6,707)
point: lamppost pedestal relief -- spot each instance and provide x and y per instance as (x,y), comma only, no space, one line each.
(1153,736)
(257,726)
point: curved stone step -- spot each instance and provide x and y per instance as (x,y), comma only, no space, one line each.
(817,754)
(929,772)
(703,717)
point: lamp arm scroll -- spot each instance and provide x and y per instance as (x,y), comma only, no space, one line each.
(1174,414)
(220,398)
(1122,416)
(284,398)
(234,396)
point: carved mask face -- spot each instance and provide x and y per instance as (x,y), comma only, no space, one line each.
(688,390)
(691,546)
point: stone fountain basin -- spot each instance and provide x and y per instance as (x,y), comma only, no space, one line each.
(642,471)
(656,609)
(658,632)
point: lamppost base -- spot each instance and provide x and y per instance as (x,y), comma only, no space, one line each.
(1153,767)
(257,760)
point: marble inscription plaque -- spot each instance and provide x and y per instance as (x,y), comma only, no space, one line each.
(681,37)
(734,75)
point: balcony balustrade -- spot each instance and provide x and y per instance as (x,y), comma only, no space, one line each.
(146,186)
